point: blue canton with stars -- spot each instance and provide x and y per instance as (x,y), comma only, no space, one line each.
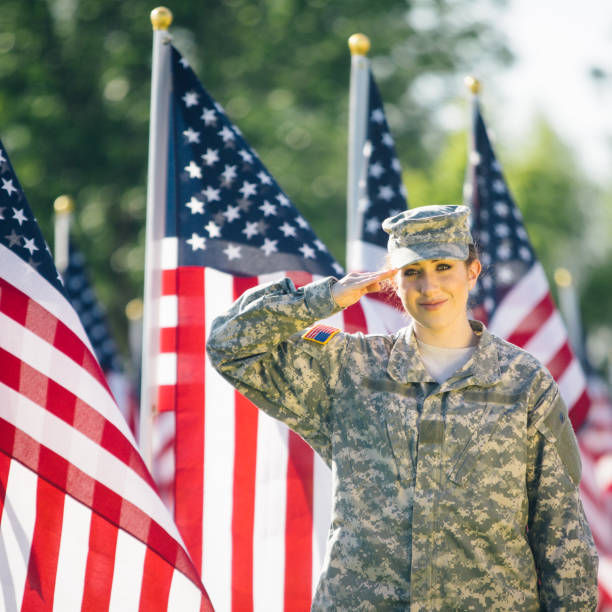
(223,205)
(19,230)
(92,316)
(497,225)
(382,193)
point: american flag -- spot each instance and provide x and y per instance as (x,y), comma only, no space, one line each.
(81,526)
(512,295)
(84,300)
(595,442)
(382,194)
(252,500)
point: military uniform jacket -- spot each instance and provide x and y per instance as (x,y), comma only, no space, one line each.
(454,496)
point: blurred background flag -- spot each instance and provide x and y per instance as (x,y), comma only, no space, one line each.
(512,296)
(81,525)
(375,189)
(70,263)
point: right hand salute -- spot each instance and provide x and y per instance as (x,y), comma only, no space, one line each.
(355,285)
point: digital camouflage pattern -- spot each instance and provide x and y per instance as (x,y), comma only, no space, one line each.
(457,496)
(439,231)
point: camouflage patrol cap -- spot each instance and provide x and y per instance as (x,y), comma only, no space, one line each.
(428,232)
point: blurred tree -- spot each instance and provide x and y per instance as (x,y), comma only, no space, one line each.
(75,99)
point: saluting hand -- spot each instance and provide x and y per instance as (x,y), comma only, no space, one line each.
(354,286)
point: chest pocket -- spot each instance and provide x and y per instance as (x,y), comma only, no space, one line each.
(396,405)
(490,420)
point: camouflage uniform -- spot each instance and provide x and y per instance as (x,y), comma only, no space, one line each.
(457,496)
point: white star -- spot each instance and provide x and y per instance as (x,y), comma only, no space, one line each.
(195,205)
(495,165)
(13,238)
(524,253)
(194,170)
(267,208)
(264,178)
(209,116)
(484,238)
(231,213)
(502,230)
(8,186)
(248,189)
(395,164)
(287,229)
(229,174)
(29,245)
(307,251)
(372,225)
(2,158)
(320,245)
(364,203)
(246,156)
(190,98)
(387,139)
(210,157)
(474,158)
(283,200)
(214,231)
(501,208)
(302,222)
(197,242)
(338,268)
(498,186)
(232,251)
(192,135)
(487,282)
(226,134)
(184,63)
(505,275)
(376,170)
(211,194)
(489,304)
(269,246)
(18,214)
(385,193)
(377,116)
(251,229)
(504,251)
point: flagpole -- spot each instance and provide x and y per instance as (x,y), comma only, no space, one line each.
(63,208)
(473,85)
(161,18)
(359,44)
(570,309)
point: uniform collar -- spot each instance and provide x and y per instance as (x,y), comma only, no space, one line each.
(405,364)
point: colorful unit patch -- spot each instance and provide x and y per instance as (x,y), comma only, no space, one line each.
(320,333)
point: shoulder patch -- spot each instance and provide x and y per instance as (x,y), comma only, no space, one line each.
(320,333)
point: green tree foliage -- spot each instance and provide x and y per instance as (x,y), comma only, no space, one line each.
(75,98)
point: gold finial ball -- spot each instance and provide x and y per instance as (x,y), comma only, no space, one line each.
(359,44)
(133,309)
(63,204)
(161,18)
(563,277)
(472,83)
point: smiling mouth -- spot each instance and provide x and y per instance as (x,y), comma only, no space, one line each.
(433,305)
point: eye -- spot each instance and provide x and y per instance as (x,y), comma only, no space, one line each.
(410,272)
(441,267)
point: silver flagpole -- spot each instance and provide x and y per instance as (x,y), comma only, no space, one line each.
(161,18)
(63,207)
(359,44)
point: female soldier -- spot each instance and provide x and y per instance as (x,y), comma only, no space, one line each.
(455,467)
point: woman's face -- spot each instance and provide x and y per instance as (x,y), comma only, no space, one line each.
(435,293)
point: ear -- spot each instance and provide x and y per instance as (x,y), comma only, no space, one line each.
(473,272)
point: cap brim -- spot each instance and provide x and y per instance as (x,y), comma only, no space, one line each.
(405,256)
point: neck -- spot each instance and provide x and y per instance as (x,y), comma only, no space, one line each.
(458,336)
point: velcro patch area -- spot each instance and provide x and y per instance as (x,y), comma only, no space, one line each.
(320,333)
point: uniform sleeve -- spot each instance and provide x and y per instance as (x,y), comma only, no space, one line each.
(258,347)
(559,535)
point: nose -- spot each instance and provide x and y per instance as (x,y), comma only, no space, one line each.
(428,283)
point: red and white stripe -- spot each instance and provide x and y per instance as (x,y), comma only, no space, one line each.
(252,500)
(81,524)
(527,317)
(595,441)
